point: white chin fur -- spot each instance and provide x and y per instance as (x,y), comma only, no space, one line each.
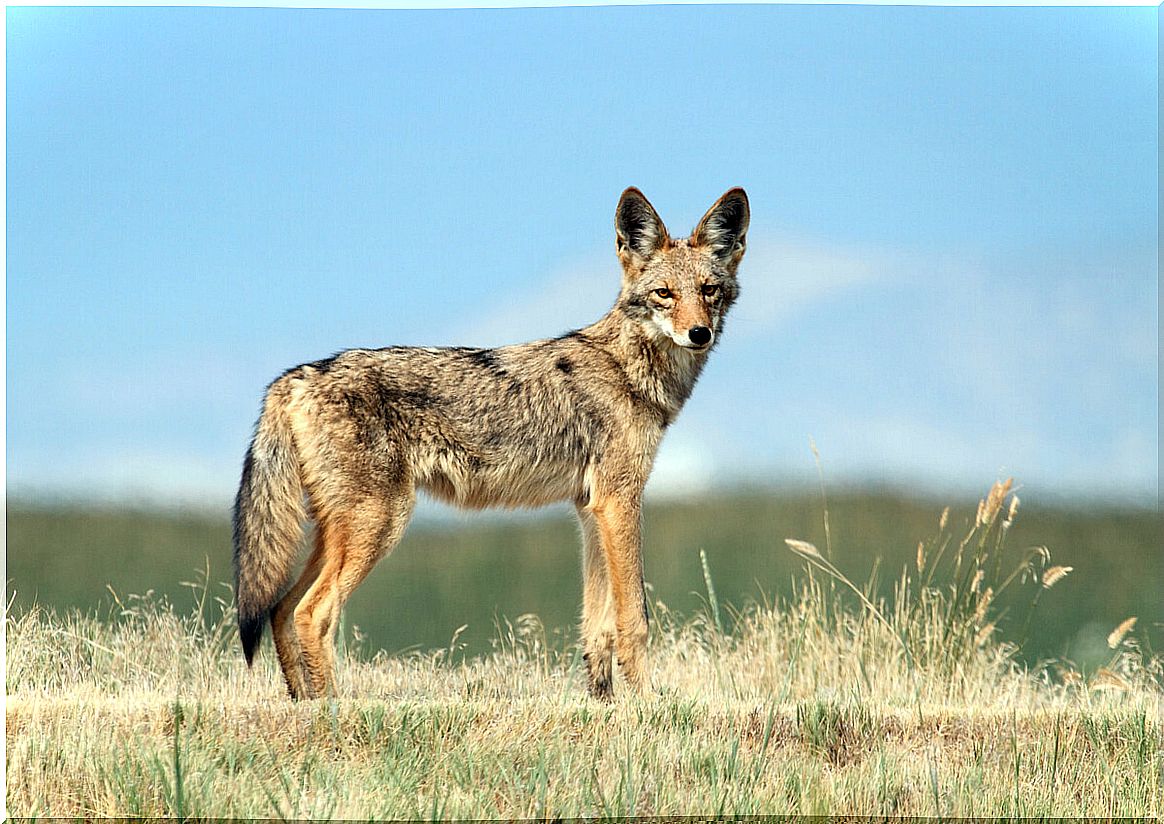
(661,328)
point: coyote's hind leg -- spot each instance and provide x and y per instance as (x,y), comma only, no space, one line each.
(353,541)
(283,625)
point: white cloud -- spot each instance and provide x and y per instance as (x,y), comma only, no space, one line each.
(576,294)
(781,277)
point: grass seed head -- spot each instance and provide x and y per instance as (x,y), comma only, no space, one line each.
(803,548)
(988,509)
(1014,505)
(983,604)
(1054,575)
(1117,634)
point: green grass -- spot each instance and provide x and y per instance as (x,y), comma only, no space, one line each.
(833,699)
(476,571)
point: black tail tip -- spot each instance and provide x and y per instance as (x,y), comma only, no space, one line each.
(250,632)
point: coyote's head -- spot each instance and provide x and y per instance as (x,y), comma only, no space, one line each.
(680,290)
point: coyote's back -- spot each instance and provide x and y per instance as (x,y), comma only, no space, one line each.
(576,418)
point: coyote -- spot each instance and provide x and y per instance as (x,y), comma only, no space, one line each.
(348,440)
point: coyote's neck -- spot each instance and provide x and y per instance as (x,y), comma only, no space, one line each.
(659,373)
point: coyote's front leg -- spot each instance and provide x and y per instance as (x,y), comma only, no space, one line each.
(618,520)
(597,610)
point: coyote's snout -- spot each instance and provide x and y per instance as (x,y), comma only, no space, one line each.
(348,440)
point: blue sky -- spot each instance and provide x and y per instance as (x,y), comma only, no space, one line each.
(952,272)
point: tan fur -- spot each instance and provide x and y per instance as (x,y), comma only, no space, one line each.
(576,418)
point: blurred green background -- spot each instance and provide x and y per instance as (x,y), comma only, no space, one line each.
(479,571)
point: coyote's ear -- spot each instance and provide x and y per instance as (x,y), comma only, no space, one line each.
(638,230)
(725,226)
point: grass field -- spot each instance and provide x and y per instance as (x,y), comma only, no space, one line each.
(476,572)
(832,700)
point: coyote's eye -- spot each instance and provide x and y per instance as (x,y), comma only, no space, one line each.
(663,293)
(710,290)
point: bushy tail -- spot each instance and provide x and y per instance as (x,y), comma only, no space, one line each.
(268,520)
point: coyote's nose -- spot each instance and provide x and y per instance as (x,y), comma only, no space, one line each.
(699,335)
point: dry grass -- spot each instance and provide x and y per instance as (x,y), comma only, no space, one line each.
(808,707)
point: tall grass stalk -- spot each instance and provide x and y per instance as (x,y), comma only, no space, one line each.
(951,605)
(712,601)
